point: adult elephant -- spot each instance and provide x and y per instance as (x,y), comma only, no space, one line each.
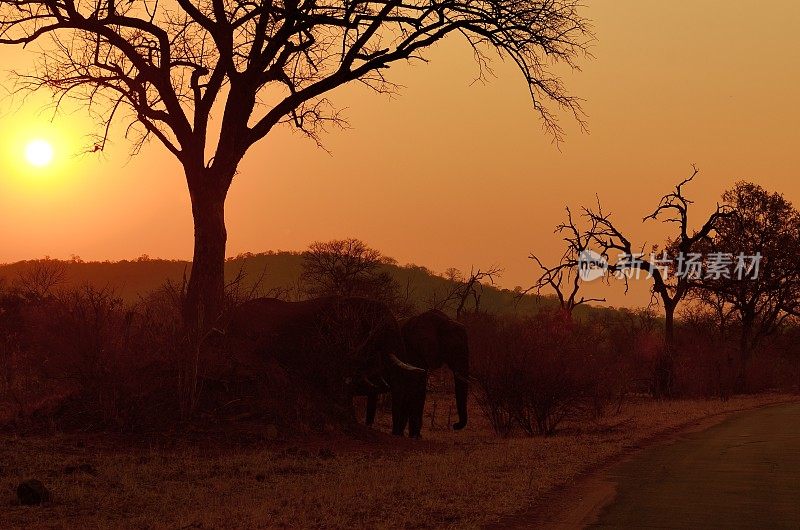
(341,346)
(431,340)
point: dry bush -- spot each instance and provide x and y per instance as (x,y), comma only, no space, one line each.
(789,359)
(116,361)
(534,373)
(705,357)
(631,341)
(776,364)
(80,358)
(708,358)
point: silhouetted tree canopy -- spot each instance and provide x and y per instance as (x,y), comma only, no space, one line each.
(669,286)
(762,293)
(163,66)
(347,267)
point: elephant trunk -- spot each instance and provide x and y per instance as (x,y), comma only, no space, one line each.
(462,391)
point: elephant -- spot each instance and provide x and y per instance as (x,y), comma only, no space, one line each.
(342,346)
(432,339)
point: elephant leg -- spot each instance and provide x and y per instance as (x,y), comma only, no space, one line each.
(399,414)
(416,408)
(462,393)
(372,405)
(415,426)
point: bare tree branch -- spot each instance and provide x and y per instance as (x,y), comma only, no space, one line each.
(564,278)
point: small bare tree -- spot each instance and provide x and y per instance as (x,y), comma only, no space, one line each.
(162,67)
(462,289)
(564,278)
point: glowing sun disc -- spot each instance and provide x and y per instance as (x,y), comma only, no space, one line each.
(39,153)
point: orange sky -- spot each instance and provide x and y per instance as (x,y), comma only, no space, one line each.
(450,173)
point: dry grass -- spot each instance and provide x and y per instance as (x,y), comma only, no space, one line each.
(449,479)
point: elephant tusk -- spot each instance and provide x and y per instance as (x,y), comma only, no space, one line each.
(405,366)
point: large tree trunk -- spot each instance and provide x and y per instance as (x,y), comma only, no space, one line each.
(665,364)
(205,292)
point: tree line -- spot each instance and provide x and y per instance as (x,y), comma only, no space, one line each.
(736,264)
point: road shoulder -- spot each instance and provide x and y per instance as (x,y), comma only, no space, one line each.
(580,503)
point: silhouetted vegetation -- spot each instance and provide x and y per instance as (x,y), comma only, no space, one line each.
(737,273)
(278,273)
(101,345)
(672,280)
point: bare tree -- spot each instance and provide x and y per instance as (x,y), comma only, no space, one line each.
(670,289)
(462,289)
(564,278)
(161,67)
(674,208)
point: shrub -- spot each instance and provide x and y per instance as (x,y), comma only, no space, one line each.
(534,373)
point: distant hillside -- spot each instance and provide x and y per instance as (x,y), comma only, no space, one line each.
(278,270)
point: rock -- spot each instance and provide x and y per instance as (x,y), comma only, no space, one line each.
(261,477)
(32,493)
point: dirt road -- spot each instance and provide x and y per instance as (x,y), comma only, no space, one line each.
(742,473)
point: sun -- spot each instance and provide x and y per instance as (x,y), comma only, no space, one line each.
(39,153)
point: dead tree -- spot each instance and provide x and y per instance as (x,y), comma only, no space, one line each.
(670,289)
(564,278)
(462,289)
(163,66)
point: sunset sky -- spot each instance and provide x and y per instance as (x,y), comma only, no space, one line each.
(449,172)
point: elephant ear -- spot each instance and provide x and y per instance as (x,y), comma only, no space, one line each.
(454,346)
(423,346)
